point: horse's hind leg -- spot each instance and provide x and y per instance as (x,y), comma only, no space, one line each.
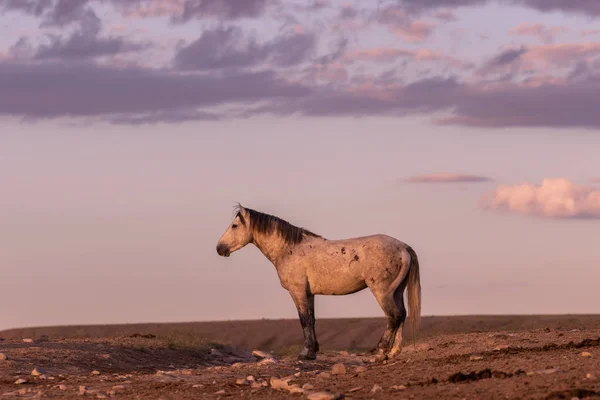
(393,318)
(399,300)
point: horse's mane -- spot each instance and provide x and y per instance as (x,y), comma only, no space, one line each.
(266,224)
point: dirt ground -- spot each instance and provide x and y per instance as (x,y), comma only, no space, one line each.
(552,357)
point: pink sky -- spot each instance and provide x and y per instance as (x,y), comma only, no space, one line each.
(468,129)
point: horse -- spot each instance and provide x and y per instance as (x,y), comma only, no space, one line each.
(308,264)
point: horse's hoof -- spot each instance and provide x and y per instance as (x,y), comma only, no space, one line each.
(381,356)
(307,354)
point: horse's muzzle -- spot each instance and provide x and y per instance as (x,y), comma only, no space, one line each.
(223,250)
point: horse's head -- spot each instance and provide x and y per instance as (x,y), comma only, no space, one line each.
(237,235)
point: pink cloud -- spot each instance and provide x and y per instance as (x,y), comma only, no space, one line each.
(590,32)
(386,54)
(444,15)
(401,24)
(445,177)
(415,31)
(554,198)
(378,54)
(539,31)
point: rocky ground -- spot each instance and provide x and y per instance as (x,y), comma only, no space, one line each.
(545,363)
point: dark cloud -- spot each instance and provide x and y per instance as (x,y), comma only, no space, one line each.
(31,7)
(570,104)
(502,61)
(507,57)
(226,47)
(46,90)
(445,177)
(85,42)
(223,9)
(66,12)
(49,90)
(583,7)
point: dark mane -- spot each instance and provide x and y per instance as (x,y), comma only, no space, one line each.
(266,224)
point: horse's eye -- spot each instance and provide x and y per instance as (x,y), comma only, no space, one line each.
(234,226)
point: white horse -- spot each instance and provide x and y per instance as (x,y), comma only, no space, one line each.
(309,265)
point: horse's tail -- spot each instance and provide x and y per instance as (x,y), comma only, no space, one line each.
(414,294)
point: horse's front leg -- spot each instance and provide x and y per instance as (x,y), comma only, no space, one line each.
(305,305)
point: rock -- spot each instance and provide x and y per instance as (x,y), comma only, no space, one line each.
(198,385)
(307,386)
(27,340)
(542,372)
(344,353)
(37,371)
(256,385)
(338,369)
(216,353)
(187,372)
(222,391)
(261,354)
(82,390)
(95,372)
(324,375)
(376,388)
(360,370)
(20,381)
(102,395)
(590,377)
(586,354)
(355,389)
(267,361)
(398,387)
(323,396)
(279,383)
(295,389)
(501,347)
(119,388)
(475,358)
(250,378)
(62,387)
(3,357)
(298,374)
(242,381)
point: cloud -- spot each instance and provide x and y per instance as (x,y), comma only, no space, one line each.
(581,7)
(381,54)
(401,23)
(30,7)
(223,10)
(85,89)
(541,58)
(445,177)
(63,12)
(226,47)
(544,33)
(554,198)
(66,12)
(85,43)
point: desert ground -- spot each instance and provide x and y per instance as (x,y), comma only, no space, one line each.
(462,357)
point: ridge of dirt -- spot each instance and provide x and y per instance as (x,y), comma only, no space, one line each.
(527,364)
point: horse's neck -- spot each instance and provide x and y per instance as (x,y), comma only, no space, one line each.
(272,246)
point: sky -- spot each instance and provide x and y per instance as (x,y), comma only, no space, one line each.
(468,129)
